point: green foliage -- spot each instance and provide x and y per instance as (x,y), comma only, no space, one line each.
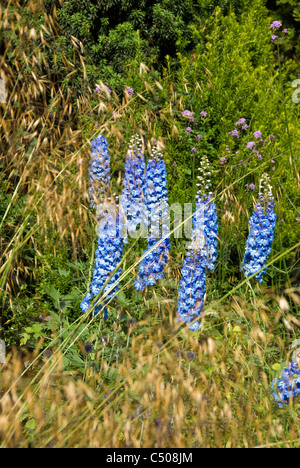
(288,12)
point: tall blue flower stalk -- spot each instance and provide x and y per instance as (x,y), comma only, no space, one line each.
(209,210)
(110,243)
(134,185)
(288,386)
(261,235)
(99,170)
(202,254)
(152,266)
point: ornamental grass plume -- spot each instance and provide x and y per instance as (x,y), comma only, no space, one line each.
(288,387)
(262,224)
(134,185)
(202,254)
(99,171)
(151,267)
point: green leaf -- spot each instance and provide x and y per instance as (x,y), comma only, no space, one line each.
(31,425)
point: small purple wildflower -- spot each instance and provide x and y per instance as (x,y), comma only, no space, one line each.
(203,114)
(285,31)
(245,127)
(240,122)
(273,38)
(257,134)
(188,114)
(298,218)
(275,25)
(223,160)
(199,137)
(251,186)
(250,144)
(129,91)
(234,133)
(188,130)
(194,149)
(271,137)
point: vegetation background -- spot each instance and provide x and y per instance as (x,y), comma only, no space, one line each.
(139,386)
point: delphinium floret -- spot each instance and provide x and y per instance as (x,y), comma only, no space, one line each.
(152,265)
(262,224)
(287,388)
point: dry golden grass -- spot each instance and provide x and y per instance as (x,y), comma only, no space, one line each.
(152,395)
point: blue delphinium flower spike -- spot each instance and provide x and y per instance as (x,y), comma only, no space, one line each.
(110,242)
(262,224)
(202,254)
(151,267)
(99,170)
(193,274)
(288,387)
(133,194)
(209,213)
(108,256)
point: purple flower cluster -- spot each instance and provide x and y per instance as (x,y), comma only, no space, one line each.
(288,387)
(203,114)
(104,88)
(251,144)
(276,25)
(257,134)
(241,122)
(234,133)
(129,91)
(188,114)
